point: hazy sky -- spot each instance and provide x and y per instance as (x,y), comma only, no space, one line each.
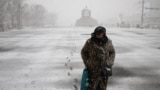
(102,10)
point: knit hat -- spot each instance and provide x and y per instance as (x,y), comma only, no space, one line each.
(99,30)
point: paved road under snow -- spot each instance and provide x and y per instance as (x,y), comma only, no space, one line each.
(49,59)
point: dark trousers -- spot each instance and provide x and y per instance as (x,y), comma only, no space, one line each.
(98,83)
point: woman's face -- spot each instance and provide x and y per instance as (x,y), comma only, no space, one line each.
(100,36)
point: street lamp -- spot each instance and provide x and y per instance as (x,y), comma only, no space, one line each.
(142,15)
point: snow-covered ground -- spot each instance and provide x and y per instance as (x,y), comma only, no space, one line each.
(49,59)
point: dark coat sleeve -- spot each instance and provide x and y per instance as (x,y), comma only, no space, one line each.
(112,54)
(85,53)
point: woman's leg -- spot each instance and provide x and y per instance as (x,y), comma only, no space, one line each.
(99,83)
(93,83)
(103,83)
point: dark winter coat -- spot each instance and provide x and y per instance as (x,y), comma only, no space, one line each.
(94,56)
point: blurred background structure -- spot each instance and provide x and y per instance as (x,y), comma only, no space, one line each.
(152,13)
(18,14)
(86,19)
(147,15)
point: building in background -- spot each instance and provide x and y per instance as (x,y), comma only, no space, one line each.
(86,19)
(152,13)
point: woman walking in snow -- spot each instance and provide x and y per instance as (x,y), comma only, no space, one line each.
(98,55)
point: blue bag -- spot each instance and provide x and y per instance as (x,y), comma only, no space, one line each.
(84,81)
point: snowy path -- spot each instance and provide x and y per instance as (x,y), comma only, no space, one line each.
(49,59)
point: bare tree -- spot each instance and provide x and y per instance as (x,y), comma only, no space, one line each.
(51,19)
(38,15)
(10,14)
(17,13)
(3,7)
(34,15)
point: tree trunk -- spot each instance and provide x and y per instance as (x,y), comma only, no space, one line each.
(19,25)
